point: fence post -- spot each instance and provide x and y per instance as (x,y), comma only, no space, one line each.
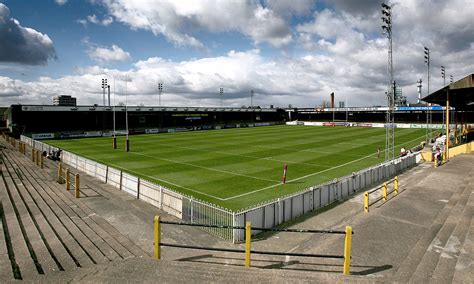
(38,157)
(33,154)
(395,185)
(68,181)
(77,186)
(156,237)
(384,191)
(42,161)
(366,202)
(248,237)
(347,251)
(60,172)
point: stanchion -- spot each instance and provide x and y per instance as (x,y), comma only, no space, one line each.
(156,237)
(42,161)
(248,238)
(77,186)
(68,180)
(37,157)
(347,251)
(60,172)
(395,185)
(384,191)
(33,155)
(366,202)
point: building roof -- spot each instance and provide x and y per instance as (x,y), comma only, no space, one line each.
(460,93)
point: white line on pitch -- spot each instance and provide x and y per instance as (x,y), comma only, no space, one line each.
(302,177)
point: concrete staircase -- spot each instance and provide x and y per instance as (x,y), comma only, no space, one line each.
(441,253)
(44,229)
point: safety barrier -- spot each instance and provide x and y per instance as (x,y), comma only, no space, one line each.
(384,195)
(248,237)
(64,176)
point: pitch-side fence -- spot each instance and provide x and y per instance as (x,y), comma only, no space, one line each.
(265,215)
(248,238)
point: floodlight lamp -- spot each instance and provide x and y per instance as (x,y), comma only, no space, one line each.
(385,6)
(386,13)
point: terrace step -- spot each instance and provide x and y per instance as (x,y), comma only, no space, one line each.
(451,251)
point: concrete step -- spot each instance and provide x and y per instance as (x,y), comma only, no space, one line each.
(427,265)
(26,265)
(49,236)
(451,251)
(117,244)
(6,272)
(411,262)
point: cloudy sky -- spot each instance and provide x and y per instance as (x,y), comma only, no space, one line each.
(290,52)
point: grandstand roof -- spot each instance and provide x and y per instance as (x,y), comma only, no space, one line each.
(461,94)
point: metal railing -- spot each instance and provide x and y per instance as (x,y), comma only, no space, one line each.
(64,176)
(384,194)
(248,237)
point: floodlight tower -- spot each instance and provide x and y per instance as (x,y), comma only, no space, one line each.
(451,79)
(443,75)
(160,92)
(221,93)
(251,99)
(428,112)
(104,86)
(390,121)
(127,142)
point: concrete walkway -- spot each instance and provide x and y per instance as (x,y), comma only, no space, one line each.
(425,234)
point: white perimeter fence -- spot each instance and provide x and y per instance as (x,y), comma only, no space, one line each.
(266,215)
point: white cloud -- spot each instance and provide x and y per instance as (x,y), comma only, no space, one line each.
(104,22)
(114,53)
(61,2)
(178,21)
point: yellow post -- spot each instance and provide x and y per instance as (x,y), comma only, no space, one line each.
(248,238)
(37,157)
(68,180)
(395,185)
(60,172)
(366,202)
(347,251)
(384,191)
(447,128)
(42,161)
(157,236)
(77,186)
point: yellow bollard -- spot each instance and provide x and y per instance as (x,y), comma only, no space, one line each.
(366,202)
(68,181)
(77,186)
(33,155)
(248,238)
(157,236)
(347,251)
(42,161)
(38,157)
(60,172)
(395,185)
(384,191)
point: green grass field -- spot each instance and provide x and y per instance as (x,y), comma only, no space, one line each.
(236,168)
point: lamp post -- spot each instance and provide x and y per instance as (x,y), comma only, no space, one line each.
(127,142)
(114,144)
(390,121)
(160,91)
(443,75)
(251,99)
(428,112)
(221,93)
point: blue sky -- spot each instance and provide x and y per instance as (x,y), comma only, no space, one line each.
(289,52)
